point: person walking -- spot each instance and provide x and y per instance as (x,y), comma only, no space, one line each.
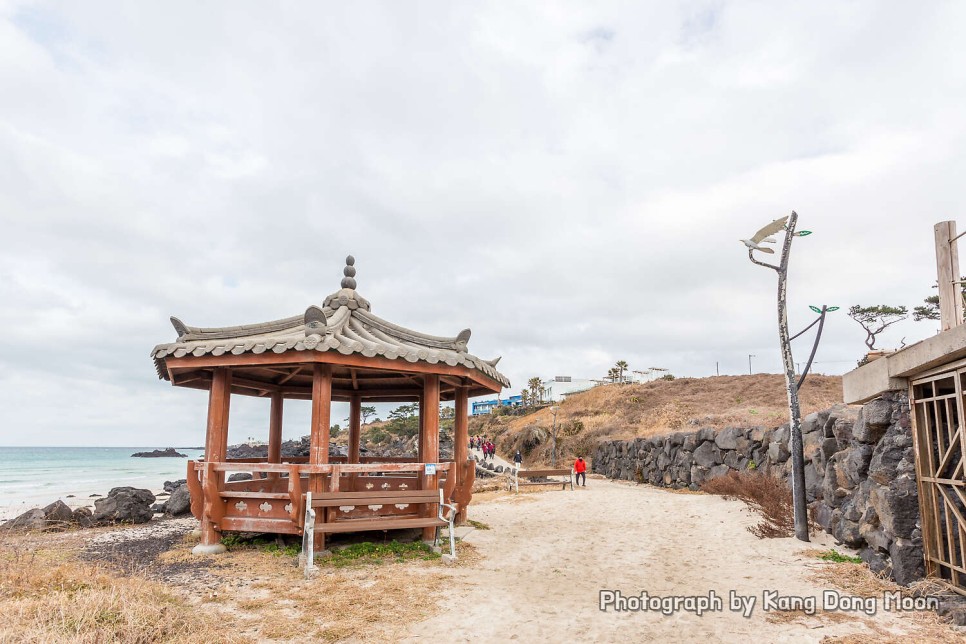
(580,470)
(518,459)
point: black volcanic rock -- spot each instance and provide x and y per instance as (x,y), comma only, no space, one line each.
(160,453)
(124,505)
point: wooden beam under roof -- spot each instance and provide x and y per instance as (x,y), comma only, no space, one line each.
(334,358)
(451,380)
(291,375)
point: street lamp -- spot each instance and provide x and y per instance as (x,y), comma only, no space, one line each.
(758,243)
(553,454)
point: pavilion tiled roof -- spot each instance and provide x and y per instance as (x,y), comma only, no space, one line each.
(343,323)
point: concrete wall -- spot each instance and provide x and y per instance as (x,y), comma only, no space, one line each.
(859,473)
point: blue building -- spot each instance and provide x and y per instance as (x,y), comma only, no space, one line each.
(482,407)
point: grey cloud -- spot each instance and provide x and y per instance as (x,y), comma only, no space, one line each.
(569,182)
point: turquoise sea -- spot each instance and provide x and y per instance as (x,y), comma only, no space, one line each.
(35,476)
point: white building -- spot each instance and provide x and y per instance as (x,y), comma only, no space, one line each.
(560,386)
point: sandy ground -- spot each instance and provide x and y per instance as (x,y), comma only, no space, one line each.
(549,554)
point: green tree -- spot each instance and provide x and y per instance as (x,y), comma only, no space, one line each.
(621,367)
(365,413)
(534,385)
(404,420)
(876,319)
(928,311)
(525,397)
(930,308)
(612,374)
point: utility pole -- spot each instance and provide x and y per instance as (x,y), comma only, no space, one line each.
(750,356)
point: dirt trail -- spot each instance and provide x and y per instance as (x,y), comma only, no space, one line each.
(549,554)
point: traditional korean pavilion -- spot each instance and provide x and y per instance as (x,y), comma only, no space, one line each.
(338,351)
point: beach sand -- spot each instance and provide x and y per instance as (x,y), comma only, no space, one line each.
(548,554)
(534,575)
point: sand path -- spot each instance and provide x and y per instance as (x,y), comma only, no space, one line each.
(549,554)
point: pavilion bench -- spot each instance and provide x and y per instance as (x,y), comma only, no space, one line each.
(378,497)
(530,475)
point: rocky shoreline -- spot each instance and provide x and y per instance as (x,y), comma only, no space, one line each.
(170,452)
(122,505)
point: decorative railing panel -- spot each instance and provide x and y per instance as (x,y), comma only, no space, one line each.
(937,404)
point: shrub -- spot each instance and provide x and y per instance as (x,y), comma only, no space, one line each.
(572,428)
(770,497)
(835,556)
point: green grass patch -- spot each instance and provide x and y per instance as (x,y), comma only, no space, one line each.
(261,543)
(479,525)
(837,557)
(380,553)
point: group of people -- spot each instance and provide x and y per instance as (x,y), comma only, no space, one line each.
(485,445)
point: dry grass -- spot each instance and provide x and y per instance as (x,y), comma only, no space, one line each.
(766,495)
(627,411)
(856,579)
(48,599)
(245,595)
(371,601)
(859,581)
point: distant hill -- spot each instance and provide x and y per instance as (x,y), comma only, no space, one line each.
(659,407)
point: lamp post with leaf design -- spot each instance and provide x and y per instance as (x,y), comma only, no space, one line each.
(792,384)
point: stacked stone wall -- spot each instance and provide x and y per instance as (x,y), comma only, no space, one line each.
(860,477)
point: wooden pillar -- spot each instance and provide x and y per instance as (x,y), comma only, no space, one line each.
(947,271)
(321,414)
(319,440)
(275,432)
(216,446)
(461,439)
(422,419)
(355,436)
(429,437)
(355,427)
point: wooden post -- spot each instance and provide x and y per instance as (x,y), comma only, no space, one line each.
(461,441)
(947,271)
(216,446)
(319,441)
(422,420)
(355,435)
(275,432)
(355,427)
(429,438)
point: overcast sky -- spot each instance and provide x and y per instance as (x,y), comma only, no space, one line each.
(570,180)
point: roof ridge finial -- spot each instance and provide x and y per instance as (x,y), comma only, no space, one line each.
(350,272)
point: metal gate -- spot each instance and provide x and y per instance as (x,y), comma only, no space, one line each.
(940,444)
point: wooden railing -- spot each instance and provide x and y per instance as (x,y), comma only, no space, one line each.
(332,459)
(276,503)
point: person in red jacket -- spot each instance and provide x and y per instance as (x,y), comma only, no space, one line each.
(580,470)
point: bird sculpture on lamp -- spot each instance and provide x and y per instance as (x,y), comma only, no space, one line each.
(764,236)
